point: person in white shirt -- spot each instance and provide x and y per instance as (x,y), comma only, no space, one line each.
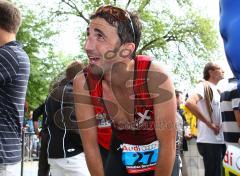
(204,103)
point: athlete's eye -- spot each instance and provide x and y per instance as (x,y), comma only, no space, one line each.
(99,36)
(87,32)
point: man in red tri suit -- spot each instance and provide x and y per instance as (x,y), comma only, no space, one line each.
(131,93)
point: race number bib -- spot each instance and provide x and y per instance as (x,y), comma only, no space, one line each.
(140,158)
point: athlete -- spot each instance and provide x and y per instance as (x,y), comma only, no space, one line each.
(131,93)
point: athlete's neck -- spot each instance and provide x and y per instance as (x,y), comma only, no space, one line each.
(120,74)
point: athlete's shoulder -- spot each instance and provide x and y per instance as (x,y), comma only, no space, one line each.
(158,67)
(154,64)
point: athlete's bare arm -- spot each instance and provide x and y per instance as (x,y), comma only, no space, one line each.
(165,117)
(87,125)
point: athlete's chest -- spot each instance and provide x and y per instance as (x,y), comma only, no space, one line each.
(119,103)
(123,108)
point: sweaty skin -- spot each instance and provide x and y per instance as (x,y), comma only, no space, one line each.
(117,73)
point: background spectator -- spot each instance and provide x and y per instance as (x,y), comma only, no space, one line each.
(204,103)
(14,75)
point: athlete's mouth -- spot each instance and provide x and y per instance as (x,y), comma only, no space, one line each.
(92,60)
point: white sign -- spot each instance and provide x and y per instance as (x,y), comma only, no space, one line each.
(231,160)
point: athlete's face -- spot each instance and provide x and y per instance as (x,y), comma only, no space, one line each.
(102,38)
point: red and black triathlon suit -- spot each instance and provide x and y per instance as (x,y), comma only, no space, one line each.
(134,148)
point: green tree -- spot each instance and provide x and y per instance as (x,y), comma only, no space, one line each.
(178,36)
(35,35)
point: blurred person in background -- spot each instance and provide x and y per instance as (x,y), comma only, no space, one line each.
(230,102)
(204,103)
(185,132)
(64,149)
(43,166)
(14,75)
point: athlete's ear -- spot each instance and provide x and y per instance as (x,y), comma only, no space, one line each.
(130,46)
(128,49)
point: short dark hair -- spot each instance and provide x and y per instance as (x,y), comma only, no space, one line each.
(64,77)
(73,69)
(10,17)
(209,66)
(127,23)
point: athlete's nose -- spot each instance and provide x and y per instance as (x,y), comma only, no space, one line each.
(89,44)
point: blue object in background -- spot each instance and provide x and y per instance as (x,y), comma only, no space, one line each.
(230,31)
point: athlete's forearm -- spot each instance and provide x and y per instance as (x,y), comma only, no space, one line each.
(92,152)
(94,162)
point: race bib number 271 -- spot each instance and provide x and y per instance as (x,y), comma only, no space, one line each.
(140,158)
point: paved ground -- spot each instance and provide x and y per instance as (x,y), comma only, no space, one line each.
(193,160)
(30,168)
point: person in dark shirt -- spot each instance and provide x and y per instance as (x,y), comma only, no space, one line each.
(65,151)
(37,113)
(14,75)
(43,166)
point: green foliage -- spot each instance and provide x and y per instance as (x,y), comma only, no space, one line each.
(178,36)
(184,2)
(35,35)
